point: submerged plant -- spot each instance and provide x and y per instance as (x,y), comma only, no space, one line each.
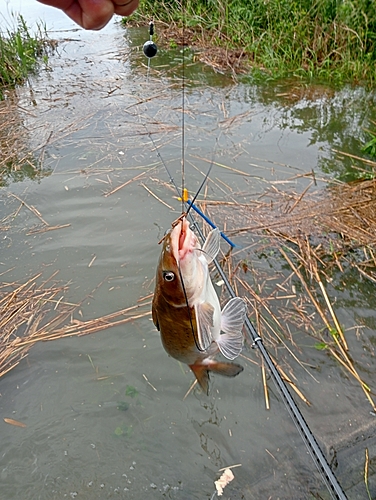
(131,391)
(124,430)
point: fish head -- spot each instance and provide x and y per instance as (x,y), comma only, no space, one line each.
(179,273)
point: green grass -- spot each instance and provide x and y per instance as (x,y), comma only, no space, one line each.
(333,40)
(370,147)
(21,53)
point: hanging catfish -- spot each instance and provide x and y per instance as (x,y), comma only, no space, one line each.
(186,308)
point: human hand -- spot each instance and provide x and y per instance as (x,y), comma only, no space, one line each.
(93,14)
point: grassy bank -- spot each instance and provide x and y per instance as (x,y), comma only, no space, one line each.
(21,53)
(329,39)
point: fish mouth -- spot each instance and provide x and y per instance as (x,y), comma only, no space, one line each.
(181,241)
(185,240)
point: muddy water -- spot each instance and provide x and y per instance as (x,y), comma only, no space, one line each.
(95,428)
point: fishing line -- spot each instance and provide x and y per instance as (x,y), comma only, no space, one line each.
(149,48)
(189,312)
(206,219)
(191,203)
(183,112)
(254,338)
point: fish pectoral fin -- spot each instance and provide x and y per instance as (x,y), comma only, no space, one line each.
(204,320)
(230,343)
(155,317)
(211,245)
(233,315)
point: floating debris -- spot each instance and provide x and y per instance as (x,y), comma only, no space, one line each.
(223,481)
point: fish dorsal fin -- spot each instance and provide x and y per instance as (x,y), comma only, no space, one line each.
(233,315)
(204,320)
(211,245)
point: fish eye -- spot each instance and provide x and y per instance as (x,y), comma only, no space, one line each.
(168,276)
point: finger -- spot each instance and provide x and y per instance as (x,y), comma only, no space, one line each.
(125,7)
(91,14)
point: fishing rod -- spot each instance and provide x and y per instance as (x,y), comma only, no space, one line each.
(318,457)
(305,432)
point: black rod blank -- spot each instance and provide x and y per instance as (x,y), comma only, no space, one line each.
(309,439)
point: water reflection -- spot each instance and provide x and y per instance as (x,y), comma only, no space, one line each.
(334,119)
(18,162)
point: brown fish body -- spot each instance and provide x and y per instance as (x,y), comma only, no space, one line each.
(177,326)
(186,309)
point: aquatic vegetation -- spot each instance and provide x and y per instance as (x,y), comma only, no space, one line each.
(17,161)
(131,391)
(323,39)
(370,147)
(124,431)
(123,406)
(21,53)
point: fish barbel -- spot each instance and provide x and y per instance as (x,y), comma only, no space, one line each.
(186,309)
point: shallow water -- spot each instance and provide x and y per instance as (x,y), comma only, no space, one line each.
(95,428)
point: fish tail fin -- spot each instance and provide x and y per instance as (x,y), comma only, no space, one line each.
(222,368)
(202,375)
(226,369)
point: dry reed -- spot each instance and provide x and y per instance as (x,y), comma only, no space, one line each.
(36,311)
(315,232)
